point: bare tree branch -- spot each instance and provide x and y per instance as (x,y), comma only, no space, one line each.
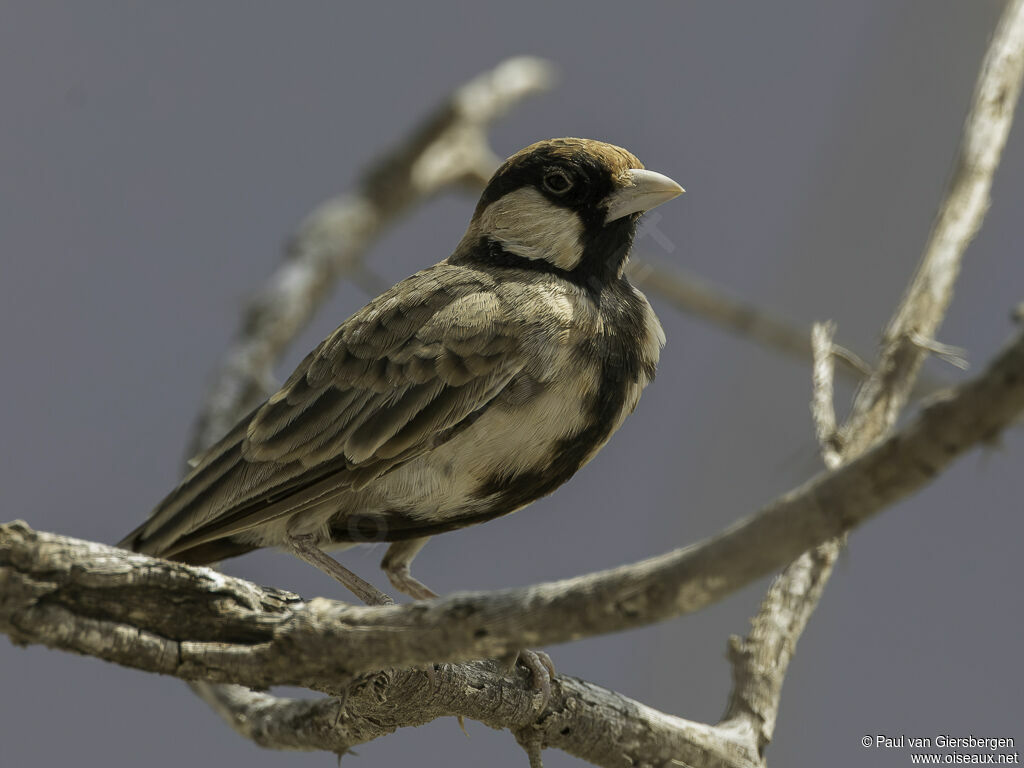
(761,660)
(715,305)
(583,719)
(196,623)
(924,305)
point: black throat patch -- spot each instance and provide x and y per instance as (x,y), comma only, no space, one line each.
(605,250)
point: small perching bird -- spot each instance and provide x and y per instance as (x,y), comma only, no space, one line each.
(463,393)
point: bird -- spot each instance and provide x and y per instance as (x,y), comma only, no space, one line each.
(462,393)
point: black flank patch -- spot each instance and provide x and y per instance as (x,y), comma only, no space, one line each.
(621,366)
(601,264)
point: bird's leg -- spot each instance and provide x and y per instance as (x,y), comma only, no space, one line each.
(396,564)
(304,547)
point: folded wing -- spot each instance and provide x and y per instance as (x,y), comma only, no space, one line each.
(398,378)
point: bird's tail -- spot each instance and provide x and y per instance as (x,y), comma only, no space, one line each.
(201,554)
(181,512)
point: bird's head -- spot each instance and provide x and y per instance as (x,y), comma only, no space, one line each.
(565,205)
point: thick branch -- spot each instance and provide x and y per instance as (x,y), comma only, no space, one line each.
(126,608)
(595,724)
(198,624)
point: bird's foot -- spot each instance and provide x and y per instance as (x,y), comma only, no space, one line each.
(402,580)
(541,669)
(396,564)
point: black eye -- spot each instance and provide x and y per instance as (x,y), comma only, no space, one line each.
(557,182)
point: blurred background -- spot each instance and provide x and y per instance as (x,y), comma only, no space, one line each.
(154,158)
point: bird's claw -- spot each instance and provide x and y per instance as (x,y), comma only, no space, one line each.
(541,669)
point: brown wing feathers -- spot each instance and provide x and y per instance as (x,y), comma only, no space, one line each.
(414,363)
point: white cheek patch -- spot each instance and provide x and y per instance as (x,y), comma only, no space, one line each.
(529,225)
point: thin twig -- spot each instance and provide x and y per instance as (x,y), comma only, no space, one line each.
(822,405)
(717,306)
(960,216)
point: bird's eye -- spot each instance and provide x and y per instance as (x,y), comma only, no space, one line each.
(557,182)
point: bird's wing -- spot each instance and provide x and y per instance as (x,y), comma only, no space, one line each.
(398,378)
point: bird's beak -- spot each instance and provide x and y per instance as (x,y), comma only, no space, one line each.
(647,190)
